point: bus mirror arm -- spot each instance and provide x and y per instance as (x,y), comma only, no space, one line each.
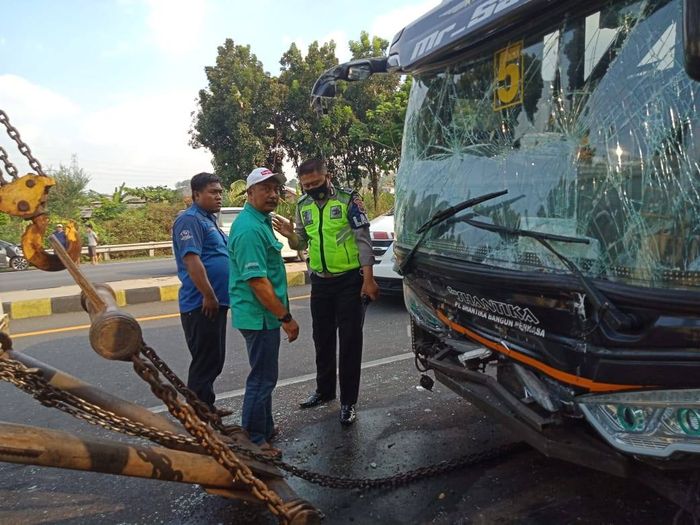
(691,38)
(362,69)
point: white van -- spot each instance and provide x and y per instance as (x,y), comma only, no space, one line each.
(229,214)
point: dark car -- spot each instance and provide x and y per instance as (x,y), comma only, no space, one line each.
(11,255)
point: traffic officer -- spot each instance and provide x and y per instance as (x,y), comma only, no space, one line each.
(332,223)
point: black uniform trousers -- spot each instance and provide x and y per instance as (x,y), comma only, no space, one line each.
(206,340)
(336,308)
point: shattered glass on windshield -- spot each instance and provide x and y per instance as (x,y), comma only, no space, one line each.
(594,130)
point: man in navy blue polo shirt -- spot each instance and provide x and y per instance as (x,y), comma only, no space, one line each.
(200,252)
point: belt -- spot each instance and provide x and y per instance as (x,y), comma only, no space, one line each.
(329,275)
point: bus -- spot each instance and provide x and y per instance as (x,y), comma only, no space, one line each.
(548,221)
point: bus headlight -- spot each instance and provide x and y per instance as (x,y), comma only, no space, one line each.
(421,313)
(651,423)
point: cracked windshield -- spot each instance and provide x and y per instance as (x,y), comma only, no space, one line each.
(592,128)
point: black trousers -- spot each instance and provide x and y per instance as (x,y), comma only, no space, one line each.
(336,313)
(206,340)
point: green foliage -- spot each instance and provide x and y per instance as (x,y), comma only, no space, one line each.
(247,118)
(120,193)
(144,224)
(236,195)
(108,210)
(237,113)
(11,228)
(379,205)
(155,194)
(69,194)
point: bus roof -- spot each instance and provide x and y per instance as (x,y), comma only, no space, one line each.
(452,23)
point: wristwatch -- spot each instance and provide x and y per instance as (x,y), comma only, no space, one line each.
(285,318)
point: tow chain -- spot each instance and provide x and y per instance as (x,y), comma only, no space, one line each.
(209,439)
(195,422)
(325,480)
(397,480)
(23,149)
(32,381)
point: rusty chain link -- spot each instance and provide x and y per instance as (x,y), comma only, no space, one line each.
(195,422)
(325,480)
(23,148)
(397,480)
(201,408)
(209,439)
(9,167)
(32,381)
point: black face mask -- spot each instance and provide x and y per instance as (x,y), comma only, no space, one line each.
(319,193)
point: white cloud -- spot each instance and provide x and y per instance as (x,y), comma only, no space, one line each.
(388,24)
(177,25)
(141,140)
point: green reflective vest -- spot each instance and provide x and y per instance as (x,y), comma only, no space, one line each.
(332,246)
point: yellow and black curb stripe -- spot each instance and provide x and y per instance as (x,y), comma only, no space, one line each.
(150,294)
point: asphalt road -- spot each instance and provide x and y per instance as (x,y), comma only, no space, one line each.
(33,279)
(400,427)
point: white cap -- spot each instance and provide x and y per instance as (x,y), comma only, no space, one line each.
(262,174)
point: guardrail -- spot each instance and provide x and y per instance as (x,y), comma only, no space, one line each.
(150,247)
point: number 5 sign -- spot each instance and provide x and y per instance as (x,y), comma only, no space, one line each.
(508,73)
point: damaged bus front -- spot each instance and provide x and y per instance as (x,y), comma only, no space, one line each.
(548,219)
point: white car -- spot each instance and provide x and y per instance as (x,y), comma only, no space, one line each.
(381,231)
(229,214)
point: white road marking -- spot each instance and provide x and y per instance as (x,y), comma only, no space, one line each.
(301,379)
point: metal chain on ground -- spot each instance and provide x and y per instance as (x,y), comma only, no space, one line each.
(23,148)
(31,381)
(402,478)
(317,478)
(209,439)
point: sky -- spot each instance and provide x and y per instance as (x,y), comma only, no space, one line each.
(115,82)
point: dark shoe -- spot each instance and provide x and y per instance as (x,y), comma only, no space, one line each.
(347,414)
(223,412)
(275,433)
(315,399)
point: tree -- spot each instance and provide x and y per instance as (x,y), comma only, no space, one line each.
(303,134)
(236,112)
(376,106)
(155,194)
(69,194)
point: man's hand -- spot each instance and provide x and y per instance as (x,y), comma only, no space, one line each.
(210,306)
(282,225)
(370,288)
(291,329)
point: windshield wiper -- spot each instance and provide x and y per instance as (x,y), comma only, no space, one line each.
(604,308)
(441,217)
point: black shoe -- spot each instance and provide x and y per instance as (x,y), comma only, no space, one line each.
(315,399)
(347,414)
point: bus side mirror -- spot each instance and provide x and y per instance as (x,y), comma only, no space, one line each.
(691,38)
(361,69)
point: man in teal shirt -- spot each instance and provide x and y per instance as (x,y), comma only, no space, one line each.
(259,303)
